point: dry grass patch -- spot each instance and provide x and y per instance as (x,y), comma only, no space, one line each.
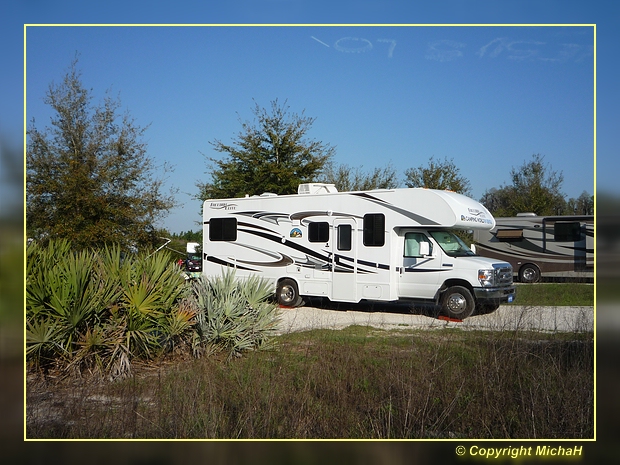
(354,383)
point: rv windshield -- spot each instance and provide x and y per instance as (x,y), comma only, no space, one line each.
(451,244)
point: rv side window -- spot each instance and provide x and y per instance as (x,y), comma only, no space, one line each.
(412,244)
(344,237)
(318,232)
(223,229)
(374,230)
(567,231)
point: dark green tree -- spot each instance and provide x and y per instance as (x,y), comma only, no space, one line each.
(88,176)
(535,188)
(497,200)
(270,154)
(346,178)
(444,175)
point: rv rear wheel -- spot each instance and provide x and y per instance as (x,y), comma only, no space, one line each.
(288,293)
(529,274)
(457,302)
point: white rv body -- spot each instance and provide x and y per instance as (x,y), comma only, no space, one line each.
(382,245)
(542,246)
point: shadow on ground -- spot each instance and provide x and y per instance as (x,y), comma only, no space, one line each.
(405,308)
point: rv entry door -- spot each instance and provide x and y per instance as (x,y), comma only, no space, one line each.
(344,260)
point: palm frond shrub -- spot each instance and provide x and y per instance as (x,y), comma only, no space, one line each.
(99,309)
(66,296)
(40,262)
(152,291)
(178,327)
(42,343)
(233,315)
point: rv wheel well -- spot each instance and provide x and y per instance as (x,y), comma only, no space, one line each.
(454,282)
(285,279)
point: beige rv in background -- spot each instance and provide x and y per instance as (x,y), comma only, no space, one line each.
(540,247)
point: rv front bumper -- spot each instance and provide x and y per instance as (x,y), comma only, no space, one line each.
(495,294)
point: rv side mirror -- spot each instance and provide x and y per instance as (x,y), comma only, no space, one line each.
(425,249)
(473,248)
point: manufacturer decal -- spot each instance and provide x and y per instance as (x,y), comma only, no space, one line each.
(222,206)
(476,219)
(475,212)
(295,232)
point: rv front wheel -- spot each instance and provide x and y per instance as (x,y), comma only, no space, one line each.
(457,302)
(288,293)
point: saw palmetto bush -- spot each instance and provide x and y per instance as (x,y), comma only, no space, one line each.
(99,309)
(233,315)
(151,292)
(67,295)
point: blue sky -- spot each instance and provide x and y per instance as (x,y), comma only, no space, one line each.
(486,97)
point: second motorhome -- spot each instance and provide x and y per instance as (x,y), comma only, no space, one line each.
(542,246)
(380,245)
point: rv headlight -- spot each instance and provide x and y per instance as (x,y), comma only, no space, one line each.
(486,278)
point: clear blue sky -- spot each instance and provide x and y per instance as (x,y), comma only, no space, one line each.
(486,97)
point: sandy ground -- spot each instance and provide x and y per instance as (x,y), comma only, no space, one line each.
(508,317)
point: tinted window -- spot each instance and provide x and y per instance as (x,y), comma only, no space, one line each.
(374,230)
(344,237)
(567,231)
(223,229)
(318,232)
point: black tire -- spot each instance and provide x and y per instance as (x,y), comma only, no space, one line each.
(457,302)
(529,274)
(287,293)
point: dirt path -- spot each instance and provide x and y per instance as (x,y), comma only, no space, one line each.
(509,317)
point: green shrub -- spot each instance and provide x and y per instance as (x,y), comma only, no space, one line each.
(232,314)
(66,296)
(98,310)
(151,292)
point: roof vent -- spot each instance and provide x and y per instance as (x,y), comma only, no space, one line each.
(314,188)
(526,214)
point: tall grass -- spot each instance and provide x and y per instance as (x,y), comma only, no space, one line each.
(355,383)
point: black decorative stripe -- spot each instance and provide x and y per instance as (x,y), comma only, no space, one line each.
(418,218)
(421,270)
(367,196)
(219,261)
(327,259)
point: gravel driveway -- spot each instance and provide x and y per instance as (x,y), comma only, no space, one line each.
(507,317)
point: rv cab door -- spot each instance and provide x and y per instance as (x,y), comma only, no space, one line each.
(418,277)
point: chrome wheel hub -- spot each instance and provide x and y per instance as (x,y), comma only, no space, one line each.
(457,303)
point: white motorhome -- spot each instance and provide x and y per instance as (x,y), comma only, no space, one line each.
(541,246)
(379,245)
